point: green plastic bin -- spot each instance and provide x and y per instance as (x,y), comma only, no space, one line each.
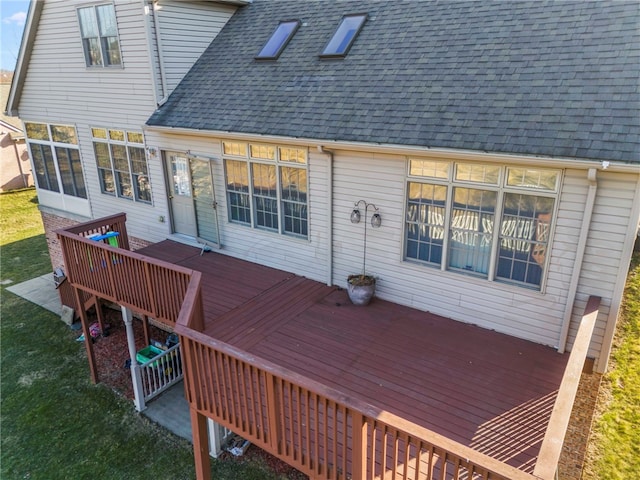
(148,353)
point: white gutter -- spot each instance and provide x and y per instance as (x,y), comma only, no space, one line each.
(439,153)
(577,263)
(321,149)
(618,290)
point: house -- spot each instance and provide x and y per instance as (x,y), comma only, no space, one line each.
(15,171)
(499,145)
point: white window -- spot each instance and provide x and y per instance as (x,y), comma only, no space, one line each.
(489,221)
(122,164)
(56,158)
(267,187)
(99,35)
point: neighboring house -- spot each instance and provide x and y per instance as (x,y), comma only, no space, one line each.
(499,142)
(15,168)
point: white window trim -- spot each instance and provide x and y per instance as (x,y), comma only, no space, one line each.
(53,144)
(126,143)
(278,164)
(501,188)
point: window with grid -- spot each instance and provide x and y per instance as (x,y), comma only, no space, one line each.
(56,158)
(122,164)
(99,32)
(489,221)
(267,187)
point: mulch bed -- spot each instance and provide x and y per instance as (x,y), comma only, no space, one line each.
(112,353)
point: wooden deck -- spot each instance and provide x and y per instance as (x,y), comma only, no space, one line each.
(489,391)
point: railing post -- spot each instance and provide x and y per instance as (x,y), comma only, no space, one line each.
(136,377)
(358,445)
(273,407)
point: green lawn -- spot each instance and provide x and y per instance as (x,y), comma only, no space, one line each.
(614,451)
(54,423)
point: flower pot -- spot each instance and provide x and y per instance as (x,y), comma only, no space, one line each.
(361,288)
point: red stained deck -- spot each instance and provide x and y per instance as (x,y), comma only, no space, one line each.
(487,390)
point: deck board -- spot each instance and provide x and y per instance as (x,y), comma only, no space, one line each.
(487,390)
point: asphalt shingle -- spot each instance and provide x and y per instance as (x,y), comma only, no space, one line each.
(541,78)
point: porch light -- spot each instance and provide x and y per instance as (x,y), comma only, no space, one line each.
(355,216)
(376,220)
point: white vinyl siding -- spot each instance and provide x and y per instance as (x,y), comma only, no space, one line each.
(307,257)
(615,198)
(86,97)
(381,179)
(186,30)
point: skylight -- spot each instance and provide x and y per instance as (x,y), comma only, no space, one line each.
(346,33)
(279,39)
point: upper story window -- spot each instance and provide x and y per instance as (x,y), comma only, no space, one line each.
(344,36)
(122,164)
(278,40)
(99,35)
(56,158)
(267,187)
(489,221)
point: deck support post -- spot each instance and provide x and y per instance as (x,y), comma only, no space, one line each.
(88,340)
(200,445)
(136,378)
(216,438)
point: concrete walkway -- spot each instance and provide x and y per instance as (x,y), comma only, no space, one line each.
(41,291)
(169,410)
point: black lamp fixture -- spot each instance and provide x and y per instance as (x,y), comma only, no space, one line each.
(376,221)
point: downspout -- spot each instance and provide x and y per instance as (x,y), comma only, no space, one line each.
(577,263)
(148,11)
(163,77)
(321,149)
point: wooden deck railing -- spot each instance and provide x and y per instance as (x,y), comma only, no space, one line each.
(319,430)
(551,448)
(149,286)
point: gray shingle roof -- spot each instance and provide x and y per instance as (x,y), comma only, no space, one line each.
(542,78)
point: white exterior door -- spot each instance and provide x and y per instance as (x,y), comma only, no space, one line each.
(204,201)
(192,197)
(183,215)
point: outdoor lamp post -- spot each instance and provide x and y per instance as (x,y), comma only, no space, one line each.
(376,221)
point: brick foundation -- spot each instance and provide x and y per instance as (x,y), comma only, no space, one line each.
(54,222)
